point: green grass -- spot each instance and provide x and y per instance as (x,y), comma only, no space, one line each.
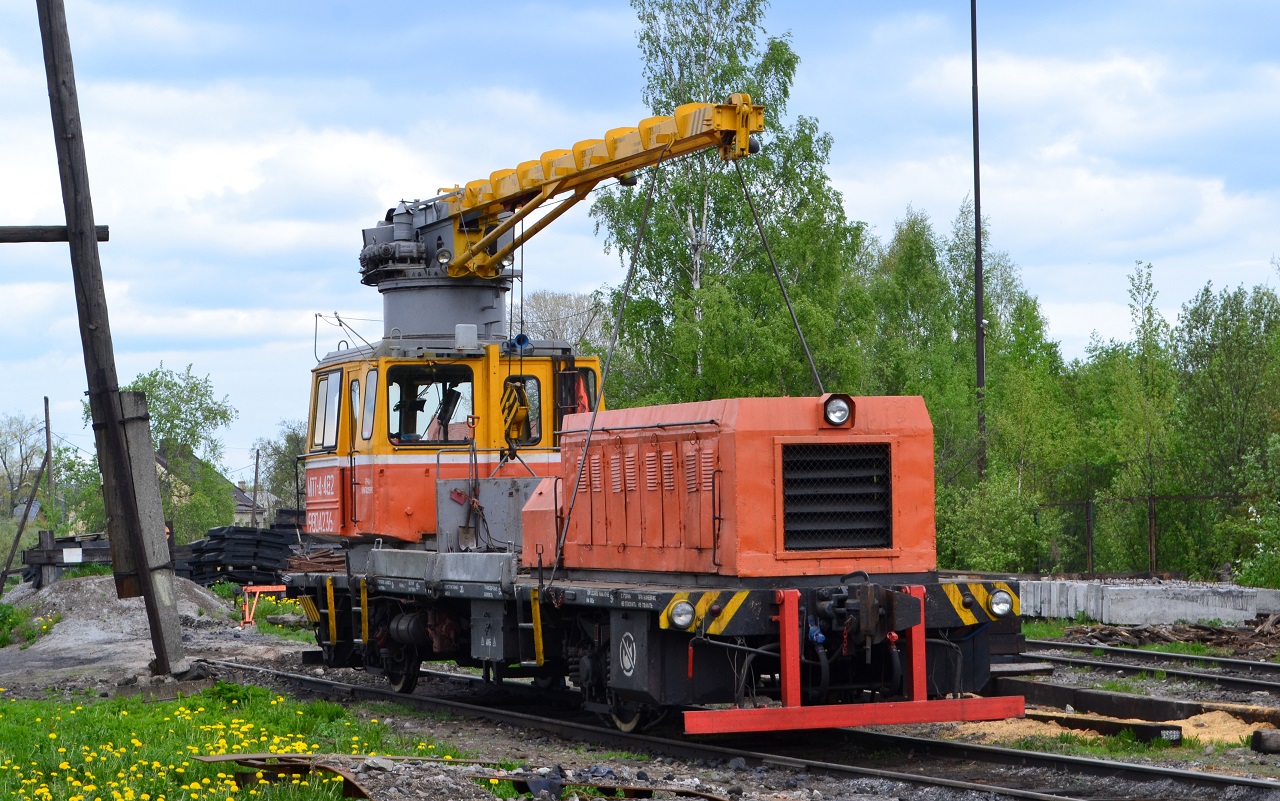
(87,570)
(143,750)
(1186,649)
(1043,628)
(225,590)
(1125,685)
(307,635)
(19,624)
(268,605)
(1124,745)
(1132,685)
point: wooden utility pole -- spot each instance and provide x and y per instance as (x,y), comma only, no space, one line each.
(125,455)
(44,233)
(26,515)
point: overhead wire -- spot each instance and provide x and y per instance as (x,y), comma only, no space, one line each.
(778,275)
(608,360)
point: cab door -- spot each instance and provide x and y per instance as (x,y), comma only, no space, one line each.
(363,391)
(326,510)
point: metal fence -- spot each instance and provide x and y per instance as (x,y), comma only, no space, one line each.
(1155,534)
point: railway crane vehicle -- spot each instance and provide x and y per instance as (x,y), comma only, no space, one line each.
(752,563)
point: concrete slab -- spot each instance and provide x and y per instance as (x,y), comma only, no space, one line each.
(1135,604)
(1268,601)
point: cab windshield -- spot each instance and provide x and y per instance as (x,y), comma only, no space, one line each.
(429,404)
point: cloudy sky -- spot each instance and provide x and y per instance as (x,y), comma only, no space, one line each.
(236,150)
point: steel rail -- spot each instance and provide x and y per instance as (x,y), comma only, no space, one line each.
(1058,762)
(1243,665)
(1224,682)
(685,749)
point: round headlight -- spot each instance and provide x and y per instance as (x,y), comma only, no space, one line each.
(444,256)
(1001,603)
(682,615)
(837,411)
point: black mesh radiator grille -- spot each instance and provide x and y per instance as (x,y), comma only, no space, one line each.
(836,495)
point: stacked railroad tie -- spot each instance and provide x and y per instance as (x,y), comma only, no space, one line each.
(240,555)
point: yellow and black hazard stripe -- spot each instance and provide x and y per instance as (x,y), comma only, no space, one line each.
(728,603)
(965,603)
(309,607)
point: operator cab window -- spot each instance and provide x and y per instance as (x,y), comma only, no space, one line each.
(324,415)
(429,404)
(370,399)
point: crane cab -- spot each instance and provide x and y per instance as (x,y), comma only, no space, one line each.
(388,421)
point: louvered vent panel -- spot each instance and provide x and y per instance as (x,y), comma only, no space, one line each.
(836,495)
(584,477)
(629,462)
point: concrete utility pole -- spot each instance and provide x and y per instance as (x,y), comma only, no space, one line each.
(139,550)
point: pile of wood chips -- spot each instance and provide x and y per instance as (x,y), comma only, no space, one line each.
(1259,640)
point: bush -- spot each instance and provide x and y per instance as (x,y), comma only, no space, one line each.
(1257,525)
(993,526)
(1262,567)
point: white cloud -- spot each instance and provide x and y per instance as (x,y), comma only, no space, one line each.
(35,306)
(236,185)
(130,27)
(1111,104)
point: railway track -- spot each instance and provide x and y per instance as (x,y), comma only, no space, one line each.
(1027,774)
(1228,674)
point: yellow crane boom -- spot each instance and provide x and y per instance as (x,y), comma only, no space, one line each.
(485,210)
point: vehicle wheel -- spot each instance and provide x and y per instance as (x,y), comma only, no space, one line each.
(628,717)
(550,682)
(402,671)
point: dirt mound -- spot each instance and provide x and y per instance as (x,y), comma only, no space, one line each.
(101,641)
(92,599)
